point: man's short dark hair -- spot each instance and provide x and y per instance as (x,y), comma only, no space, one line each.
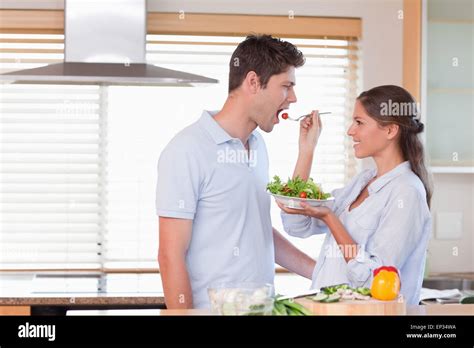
(265,55)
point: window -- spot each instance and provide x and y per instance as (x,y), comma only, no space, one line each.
(143,120)
(78,163)
(50,165)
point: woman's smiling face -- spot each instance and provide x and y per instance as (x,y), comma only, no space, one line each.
(369,137)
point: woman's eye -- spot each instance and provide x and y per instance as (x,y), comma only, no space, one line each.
(358,122)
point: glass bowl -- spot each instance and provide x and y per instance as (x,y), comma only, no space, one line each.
(243,298)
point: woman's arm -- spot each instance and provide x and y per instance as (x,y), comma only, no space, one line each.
(303,165)
(400,230)
(310,129)
(345,242)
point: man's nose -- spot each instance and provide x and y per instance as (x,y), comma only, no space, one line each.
(292,96)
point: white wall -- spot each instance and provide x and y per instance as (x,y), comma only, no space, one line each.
(454,193)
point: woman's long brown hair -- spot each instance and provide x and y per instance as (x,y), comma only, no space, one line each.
(394,105)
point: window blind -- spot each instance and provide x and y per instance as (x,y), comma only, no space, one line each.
(51,168)
(328,81)
(78,163)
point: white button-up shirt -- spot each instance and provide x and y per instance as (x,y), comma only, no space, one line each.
(391,227)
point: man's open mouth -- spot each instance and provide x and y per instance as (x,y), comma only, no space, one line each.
(277,115)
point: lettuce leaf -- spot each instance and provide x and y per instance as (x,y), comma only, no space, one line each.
(294,187)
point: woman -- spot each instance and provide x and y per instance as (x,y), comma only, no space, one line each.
(382,216)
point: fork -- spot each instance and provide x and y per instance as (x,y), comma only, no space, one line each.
(286,117)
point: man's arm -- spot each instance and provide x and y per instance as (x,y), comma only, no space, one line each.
(175,235)
(291,258)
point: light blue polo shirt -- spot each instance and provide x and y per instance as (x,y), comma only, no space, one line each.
(207,176)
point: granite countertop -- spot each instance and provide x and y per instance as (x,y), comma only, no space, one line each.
(18,289)
(14,292)
(82,299)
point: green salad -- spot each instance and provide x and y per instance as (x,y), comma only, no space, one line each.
(297,187)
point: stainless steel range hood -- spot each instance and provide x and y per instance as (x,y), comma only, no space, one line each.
(105,43)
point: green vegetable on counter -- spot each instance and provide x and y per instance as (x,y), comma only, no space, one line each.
(332,298)
(363,291)
(325,298)
(280,307)
(329,290)
(319,297)
(289,307)
(334,288)
(334,293)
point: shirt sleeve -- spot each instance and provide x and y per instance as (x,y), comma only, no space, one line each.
(304,226)
(399,231)
(178,184)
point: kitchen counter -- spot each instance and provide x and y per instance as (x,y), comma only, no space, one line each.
(25,295)
(447,309)
(54,294)
(441,309)
(452,275)
(58,304)
(149,304)
(99,299)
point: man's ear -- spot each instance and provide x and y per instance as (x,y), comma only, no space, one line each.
(252,82)
(392,130)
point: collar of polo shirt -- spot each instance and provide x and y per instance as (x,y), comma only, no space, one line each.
(217,133)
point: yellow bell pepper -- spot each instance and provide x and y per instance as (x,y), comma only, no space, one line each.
(386,283)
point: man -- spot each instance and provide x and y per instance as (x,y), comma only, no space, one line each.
(214,212)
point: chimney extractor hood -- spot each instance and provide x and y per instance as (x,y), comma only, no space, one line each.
(105,43)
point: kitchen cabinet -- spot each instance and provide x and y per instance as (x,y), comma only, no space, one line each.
(448,84)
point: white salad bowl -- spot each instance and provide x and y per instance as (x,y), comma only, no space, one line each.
(294,202)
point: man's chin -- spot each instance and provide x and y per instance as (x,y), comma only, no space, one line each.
(266,129)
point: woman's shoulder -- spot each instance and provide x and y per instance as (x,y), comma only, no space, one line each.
(408,187)
(363,176)
(409,181)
